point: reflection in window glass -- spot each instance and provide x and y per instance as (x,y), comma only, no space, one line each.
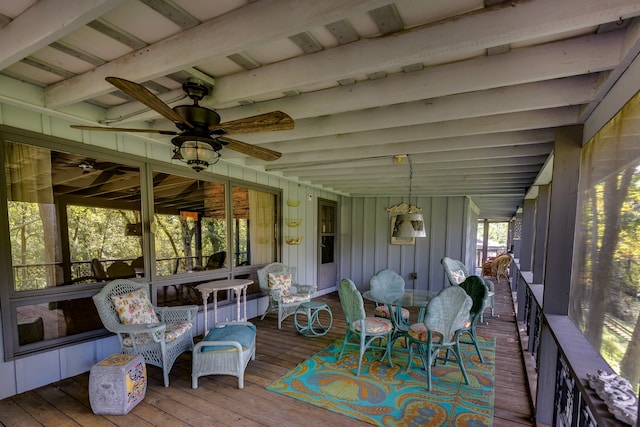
(100,206)
(40,322)
(190,225)
(605,291)
(104,243)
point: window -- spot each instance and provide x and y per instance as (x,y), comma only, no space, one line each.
(605,289)
(73,221)
(254,226)
(190,225)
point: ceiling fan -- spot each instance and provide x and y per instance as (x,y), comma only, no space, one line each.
(201,136)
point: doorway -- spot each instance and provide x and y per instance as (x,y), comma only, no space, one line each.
(328,241)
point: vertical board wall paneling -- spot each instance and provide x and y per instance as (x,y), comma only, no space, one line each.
(472,214)
(345,209)
(437,241)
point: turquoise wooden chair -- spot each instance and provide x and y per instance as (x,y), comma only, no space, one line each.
(362,331)
(446,317)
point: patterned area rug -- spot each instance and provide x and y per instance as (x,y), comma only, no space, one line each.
(386,396)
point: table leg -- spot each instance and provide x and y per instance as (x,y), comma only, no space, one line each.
(205,296)
(237,293)
(244,289)
(215,307)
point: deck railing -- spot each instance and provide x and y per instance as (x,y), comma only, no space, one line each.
(556,340)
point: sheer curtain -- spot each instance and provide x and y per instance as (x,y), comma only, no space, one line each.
(30,192)
(262,218)
(606,271)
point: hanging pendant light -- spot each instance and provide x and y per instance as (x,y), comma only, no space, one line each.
(411,223)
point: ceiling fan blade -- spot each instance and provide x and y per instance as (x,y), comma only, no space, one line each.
(273,121)
(145,96)
(250,150)
(108,129)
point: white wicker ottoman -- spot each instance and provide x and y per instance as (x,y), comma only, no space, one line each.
(117,384)
(226,350)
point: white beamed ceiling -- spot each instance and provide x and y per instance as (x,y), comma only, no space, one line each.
(471,92)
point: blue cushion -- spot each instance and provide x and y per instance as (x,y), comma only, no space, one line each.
(242,334)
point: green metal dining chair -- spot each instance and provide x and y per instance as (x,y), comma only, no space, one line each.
(362,331)
(446,317)
(474,287)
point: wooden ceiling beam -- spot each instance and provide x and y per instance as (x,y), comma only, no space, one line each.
(46,22)
(233,32)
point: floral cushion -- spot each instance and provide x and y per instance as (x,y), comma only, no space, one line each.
(375,325)
(419,331)
(134,308)
(459,276)
(171,333)
(280,281)
(383,311)
(291,298)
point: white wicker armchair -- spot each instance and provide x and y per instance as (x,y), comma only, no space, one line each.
(160,343)
(283,300)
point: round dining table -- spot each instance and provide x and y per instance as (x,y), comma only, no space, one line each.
(408,298)
(395,301)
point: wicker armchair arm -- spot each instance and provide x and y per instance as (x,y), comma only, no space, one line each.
(185,313)
(154,330)
(305,289)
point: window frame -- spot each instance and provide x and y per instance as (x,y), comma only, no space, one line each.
(11,299)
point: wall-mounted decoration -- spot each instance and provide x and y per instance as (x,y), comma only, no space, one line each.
(293,203)
(293,222)
(293,240)
(400,240)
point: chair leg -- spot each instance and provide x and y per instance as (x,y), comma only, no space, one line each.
(427,364)
(388,351)
(344,344)
(475,343)
(456,351)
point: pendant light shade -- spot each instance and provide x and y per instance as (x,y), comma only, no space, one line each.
(411,223)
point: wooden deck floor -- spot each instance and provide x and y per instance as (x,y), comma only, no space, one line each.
(218,401)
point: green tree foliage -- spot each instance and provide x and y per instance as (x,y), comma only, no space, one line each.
(606,300)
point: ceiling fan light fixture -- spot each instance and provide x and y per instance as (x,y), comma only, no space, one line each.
(198,154)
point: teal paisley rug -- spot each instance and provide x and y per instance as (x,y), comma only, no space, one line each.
(386,396)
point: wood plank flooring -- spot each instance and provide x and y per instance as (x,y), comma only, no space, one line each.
(218,401)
